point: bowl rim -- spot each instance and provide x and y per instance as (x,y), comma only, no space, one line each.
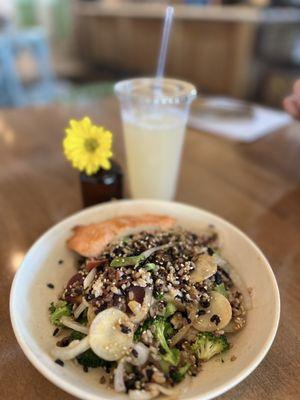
(55,379)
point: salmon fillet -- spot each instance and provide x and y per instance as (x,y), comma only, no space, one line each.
(90,240)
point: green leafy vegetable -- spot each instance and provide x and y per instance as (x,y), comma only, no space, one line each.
(222,290)
(170,310)
(75,335)
(208,345)
(162,330)
(82,319)
(146,325)
(151,267)
(58,310)
(126,261)
(179,374)
(90,360)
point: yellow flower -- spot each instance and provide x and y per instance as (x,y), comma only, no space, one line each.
(87,146)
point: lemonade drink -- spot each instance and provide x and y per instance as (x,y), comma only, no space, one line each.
(153,147)
(154,116)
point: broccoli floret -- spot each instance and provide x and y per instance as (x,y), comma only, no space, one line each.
(208,345)
(172,356)
(222,290)
(169,330)
(177,375)
(58,310)
(162,330)
(170,310)
(165,366)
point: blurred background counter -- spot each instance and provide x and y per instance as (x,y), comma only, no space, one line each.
(249,50)
(245,52)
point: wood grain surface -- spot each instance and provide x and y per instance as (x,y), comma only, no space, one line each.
(256,186)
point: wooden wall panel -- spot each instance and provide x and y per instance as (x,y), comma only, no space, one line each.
(215,55)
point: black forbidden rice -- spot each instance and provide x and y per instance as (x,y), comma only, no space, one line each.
(59,362)
(174,267)
(50,285)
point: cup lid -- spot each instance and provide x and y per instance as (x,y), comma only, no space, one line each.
(155,90)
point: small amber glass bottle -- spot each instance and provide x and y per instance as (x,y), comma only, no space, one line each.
(102,186)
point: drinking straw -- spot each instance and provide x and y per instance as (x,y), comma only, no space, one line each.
(164,42)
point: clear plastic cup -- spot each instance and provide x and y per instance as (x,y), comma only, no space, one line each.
(154,116)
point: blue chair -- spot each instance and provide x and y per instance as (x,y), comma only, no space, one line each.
(13,91)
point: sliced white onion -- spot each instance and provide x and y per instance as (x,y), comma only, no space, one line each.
(149,252)
(82,306)
(142,354)
(180,335)
(119,384)
(162,389)
(143,394)
(75,348)
(76,326)
(142,314)
(89,278)
(90,314)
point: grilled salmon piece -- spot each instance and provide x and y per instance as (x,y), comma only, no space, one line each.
(90,240)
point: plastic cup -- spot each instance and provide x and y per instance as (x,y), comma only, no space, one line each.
(154,116)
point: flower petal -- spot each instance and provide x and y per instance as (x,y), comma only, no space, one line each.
(76,151)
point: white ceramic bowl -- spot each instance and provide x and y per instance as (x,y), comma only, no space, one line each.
(30,300)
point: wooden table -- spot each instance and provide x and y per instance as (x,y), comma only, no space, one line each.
(255,186)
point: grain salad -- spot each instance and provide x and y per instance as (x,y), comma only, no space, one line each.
(148,308)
